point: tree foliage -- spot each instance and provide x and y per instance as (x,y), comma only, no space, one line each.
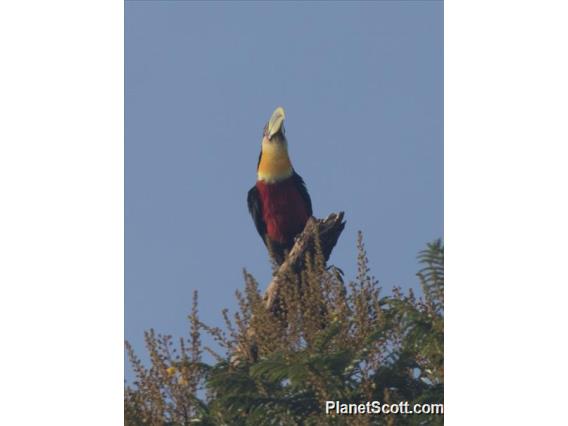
(331,340)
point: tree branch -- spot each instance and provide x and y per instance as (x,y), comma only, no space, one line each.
(328,230)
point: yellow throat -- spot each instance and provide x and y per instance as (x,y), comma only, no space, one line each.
(274,162)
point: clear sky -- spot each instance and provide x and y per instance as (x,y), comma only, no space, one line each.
(362,85)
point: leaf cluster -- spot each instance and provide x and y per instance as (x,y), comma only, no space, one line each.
(328,340)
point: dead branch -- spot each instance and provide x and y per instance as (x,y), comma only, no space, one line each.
(328,230)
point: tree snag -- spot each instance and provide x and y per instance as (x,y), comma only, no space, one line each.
(328,230)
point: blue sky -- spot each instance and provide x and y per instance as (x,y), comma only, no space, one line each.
(362,85)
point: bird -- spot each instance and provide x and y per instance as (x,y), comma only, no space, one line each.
(279,202)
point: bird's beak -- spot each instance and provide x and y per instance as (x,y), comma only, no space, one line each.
(276,122)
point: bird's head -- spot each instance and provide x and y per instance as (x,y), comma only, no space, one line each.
(274,163)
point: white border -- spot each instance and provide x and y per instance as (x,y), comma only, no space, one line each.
(506,211)
(61,214)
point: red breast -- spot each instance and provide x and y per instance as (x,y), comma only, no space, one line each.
(283,208)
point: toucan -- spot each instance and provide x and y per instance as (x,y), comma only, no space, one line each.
(279,202)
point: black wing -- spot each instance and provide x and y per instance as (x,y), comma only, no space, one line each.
(255,209)
(301,185)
